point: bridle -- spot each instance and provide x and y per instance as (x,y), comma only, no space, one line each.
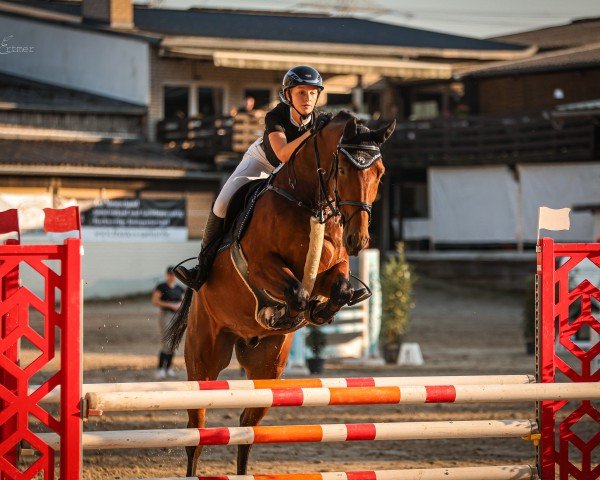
(361,165)
(327,206)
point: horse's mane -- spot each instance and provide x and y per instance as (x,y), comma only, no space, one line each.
(343,116)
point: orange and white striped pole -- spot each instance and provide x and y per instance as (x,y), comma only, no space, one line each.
(349,432)
(294,383)
(98,403)
(502,472)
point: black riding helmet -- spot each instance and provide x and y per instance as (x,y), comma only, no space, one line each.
(300,75)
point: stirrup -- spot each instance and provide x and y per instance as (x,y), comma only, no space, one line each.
(359,295)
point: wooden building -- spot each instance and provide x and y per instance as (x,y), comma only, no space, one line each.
(524,133)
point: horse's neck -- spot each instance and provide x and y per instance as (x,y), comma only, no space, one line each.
(298,182)
(300,176)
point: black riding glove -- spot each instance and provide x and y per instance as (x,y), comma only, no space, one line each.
(322,120)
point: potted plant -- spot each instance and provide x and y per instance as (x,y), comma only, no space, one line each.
(397,281)
(528,319)
(315,341)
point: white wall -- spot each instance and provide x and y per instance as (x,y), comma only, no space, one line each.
(104,64)
(473,204)
(560,186)
(488,205)
(113,270)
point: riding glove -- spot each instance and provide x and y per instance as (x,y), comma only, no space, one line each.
(322,120)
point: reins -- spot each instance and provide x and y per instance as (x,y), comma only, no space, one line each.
(326,207)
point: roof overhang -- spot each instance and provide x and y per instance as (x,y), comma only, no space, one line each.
(333,49)
(104,172)
(328,64)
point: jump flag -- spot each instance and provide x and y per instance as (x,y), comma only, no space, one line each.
(62,220)
(9,222)
(553,219)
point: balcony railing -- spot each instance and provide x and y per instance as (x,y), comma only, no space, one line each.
(211,138)
(487,140)
(416,144)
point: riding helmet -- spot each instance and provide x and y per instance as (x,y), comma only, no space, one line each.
(302,75)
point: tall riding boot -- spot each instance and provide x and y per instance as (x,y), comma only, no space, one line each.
(196,277)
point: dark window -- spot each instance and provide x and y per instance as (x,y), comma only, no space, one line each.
(210,101)
(176,102)
(262,96)
(372,102)
(343,100)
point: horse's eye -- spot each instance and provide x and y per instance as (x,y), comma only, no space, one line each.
(341,170)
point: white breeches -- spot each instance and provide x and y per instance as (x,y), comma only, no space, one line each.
(250,168)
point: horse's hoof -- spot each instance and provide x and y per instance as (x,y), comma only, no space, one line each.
(253,341)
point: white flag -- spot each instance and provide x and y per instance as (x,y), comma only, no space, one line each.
(554,219)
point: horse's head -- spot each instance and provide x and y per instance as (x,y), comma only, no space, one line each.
(359,171)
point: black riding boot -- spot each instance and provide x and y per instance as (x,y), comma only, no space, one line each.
(196,277)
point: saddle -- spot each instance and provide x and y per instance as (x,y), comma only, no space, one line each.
(239,212)
(269,311)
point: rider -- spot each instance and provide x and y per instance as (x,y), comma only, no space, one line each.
(286,127)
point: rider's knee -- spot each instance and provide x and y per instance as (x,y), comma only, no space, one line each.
(220,207)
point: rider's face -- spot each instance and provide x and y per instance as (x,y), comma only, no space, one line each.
(304,98)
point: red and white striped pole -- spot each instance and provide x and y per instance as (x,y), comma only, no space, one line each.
(97,403)
(296,383)
(184,437)
(503,472)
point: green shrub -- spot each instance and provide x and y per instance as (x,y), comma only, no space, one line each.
(397,280)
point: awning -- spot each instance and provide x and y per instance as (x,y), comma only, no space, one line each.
(386,66)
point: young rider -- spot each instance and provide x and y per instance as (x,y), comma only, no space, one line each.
(286,127)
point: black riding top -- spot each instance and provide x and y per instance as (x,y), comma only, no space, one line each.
(280,120)
(168,294)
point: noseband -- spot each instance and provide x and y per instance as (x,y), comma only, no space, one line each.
(328,207)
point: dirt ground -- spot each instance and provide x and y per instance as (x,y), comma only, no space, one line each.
(461,331)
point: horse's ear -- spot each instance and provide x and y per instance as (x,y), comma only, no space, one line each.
(382,134)
(350,131)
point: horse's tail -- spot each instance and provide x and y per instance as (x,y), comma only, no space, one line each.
(178,323)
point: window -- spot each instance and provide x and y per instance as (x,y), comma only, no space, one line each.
(340,100)
(262,96)
(175,102)
(424,109)
(210,102)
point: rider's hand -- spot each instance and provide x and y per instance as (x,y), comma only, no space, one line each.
(322,120)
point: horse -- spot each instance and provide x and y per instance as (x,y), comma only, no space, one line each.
(327,187)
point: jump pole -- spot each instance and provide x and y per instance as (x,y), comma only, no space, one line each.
(53,396)
(187,437)
(501,472)
(313,397)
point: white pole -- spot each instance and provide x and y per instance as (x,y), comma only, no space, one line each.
(54,395)
(184,437)
(312,397)
(504,472)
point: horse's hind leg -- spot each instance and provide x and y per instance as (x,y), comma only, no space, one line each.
(264,361)
(205,356)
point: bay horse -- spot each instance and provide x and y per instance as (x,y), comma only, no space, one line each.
(330,182)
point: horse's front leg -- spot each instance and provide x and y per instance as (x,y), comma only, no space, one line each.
(274,276)
(334,284)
